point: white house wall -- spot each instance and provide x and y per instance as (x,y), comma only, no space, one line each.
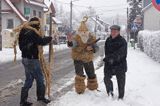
(4,6)
(151,19)
(6,16)
(20,6)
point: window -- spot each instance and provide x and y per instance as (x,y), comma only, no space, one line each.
(34,12)
(26,11)
(48,19)
(10,24)
(40,15)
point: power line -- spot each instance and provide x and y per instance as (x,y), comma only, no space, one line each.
(115,9)
(108,6)
(81,6)
(97,6)
(62,2)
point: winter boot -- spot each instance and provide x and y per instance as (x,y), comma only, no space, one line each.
(26,104)
(92,84)
(44,100)
(24,96)
(111,94)
(80,84)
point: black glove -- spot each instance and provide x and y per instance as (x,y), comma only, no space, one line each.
(108,60)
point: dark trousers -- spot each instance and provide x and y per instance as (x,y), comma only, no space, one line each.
(32,71)
(120,80)
(89,68)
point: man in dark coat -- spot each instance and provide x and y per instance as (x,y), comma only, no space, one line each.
(29,40)
(115,61)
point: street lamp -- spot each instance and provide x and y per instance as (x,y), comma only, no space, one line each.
(71,6)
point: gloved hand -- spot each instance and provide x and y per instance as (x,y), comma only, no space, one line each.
(108,60)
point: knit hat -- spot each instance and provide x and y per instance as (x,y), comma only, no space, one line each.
(34,19)
(83,27)
(35,22)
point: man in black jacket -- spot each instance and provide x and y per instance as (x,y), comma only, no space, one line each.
(115,61)
(29,40)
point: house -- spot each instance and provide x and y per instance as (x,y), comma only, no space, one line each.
(151,16)
(100,28)
(15,12)
(50,11)
(56,23)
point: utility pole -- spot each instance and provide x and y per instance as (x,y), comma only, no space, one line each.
(127,26)
(113,22)
(71,6)
(0,28)
(117,18)
(95,29)
(71,11)
(50,34)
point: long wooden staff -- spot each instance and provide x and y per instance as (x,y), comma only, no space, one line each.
(50,56)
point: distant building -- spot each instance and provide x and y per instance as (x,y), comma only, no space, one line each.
(14,12)
(100,28)
(55,21)
(151,16)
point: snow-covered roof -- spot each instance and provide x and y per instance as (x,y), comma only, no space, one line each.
(56,20)
(41,4)
(9,30)
(103,22)
(50,6)
(94,19)
(4,12)
(15,10)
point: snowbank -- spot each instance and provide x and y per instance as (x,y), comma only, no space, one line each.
(142,86)
(149,42)
(10,88)
(7,54)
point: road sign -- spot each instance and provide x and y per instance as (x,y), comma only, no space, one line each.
(156,4)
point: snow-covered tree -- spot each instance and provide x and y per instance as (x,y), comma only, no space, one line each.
(135,8)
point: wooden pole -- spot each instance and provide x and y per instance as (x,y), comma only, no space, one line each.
(50,34)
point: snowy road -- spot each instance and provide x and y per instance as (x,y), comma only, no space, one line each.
(142,86)
(63,71)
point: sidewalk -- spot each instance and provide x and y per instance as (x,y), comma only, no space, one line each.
(142,86)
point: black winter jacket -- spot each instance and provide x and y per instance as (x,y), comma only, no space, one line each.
(29,41)
(115,55)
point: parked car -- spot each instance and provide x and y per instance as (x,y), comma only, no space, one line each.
(62,39)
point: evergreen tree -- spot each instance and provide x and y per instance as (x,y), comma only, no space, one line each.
(135,8)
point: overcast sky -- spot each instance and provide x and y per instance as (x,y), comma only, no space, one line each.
(105,7)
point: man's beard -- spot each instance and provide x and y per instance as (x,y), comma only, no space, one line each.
(84,37)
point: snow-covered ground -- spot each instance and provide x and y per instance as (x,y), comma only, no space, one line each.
(7,54)
(142,86)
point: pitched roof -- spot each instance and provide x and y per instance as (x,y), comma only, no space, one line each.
(56,21)
(19,14)
(51,6)
(37,3)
